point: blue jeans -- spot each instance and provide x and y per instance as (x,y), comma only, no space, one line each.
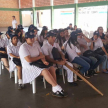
(105,62)
(83,63)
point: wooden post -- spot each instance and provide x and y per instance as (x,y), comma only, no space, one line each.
(91,85)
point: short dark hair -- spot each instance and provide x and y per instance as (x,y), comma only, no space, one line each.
(13,16)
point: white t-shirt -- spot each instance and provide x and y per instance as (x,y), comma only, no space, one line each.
(98,44)
(2,43)
(26,50)
(47,49)
(13,49)
(72,52)
(14,22)
(7,41)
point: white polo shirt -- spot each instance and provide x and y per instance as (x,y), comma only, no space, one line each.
(98,44)
(2,43)
(72,52)
(7,41)
(47,49)
(13,49)
(83,42)
(26,50)
(14,22)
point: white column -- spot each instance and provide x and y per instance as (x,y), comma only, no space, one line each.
(75,1)
(33,3)
(19,4)
(51,2)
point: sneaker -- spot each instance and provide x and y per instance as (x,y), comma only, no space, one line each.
(79,79)
(64,93)
(94,73)
(19,86)
(73,84)
(87,76)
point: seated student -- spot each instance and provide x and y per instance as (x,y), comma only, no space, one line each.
(60,38)
(36,33)
(47,51)
(22,31)
(13,52)
(74,55)
(75,27)
(31,52)
(96,44)
(19,34)
(10,29)
(67,36)
(85,43)
(101,34)
(3,52)
(42,38)
(7,38)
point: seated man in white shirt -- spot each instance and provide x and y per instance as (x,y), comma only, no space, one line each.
(47,51)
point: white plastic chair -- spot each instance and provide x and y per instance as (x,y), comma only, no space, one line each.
(1,66)
(15,75)
(34,85)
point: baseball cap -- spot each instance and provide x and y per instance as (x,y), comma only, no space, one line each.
(13,36)
(20,26)
(1,33)
(78,30)
(51,33)
(45,28)
(10,28)
(96,33)
(35,28)
(29,34)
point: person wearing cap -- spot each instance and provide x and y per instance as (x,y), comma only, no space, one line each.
(42,38)
(3,52)
(31,27)
(85,44)
(60,38)
(14,23)
(10,29)
(96,44)
(47,51)
(31,52)
(74,54)
(22,31)
(7,38)
(19,34)
(75,27)
(70,27)
(13,52)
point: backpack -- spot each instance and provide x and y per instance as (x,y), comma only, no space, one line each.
(89,53)
(56,54)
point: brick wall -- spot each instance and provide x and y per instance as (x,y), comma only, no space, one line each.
(9,4)
(86,1)
(26,3)
(40,3)
(63,2)
(6,18)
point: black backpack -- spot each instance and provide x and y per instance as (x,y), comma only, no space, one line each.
(89,53)
(56,54)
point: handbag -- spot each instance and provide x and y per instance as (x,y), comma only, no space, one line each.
(40,64)
(17,61)
(89,53)
(99,51)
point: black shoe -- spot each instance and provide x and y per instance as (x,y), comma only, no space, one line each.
(64,93)
(59,94)
(90,72)
(79,79)
(94,73)
(73,84)
(87,76)
(19,86)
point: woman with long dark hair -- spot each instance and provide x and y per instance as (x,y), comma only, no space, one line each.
(42,38)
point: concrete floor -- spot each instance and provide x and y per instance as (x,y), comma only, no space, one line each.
(78,97)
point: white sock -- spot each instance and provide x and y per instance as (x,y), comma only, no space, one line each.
(20,81)
(56,88)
